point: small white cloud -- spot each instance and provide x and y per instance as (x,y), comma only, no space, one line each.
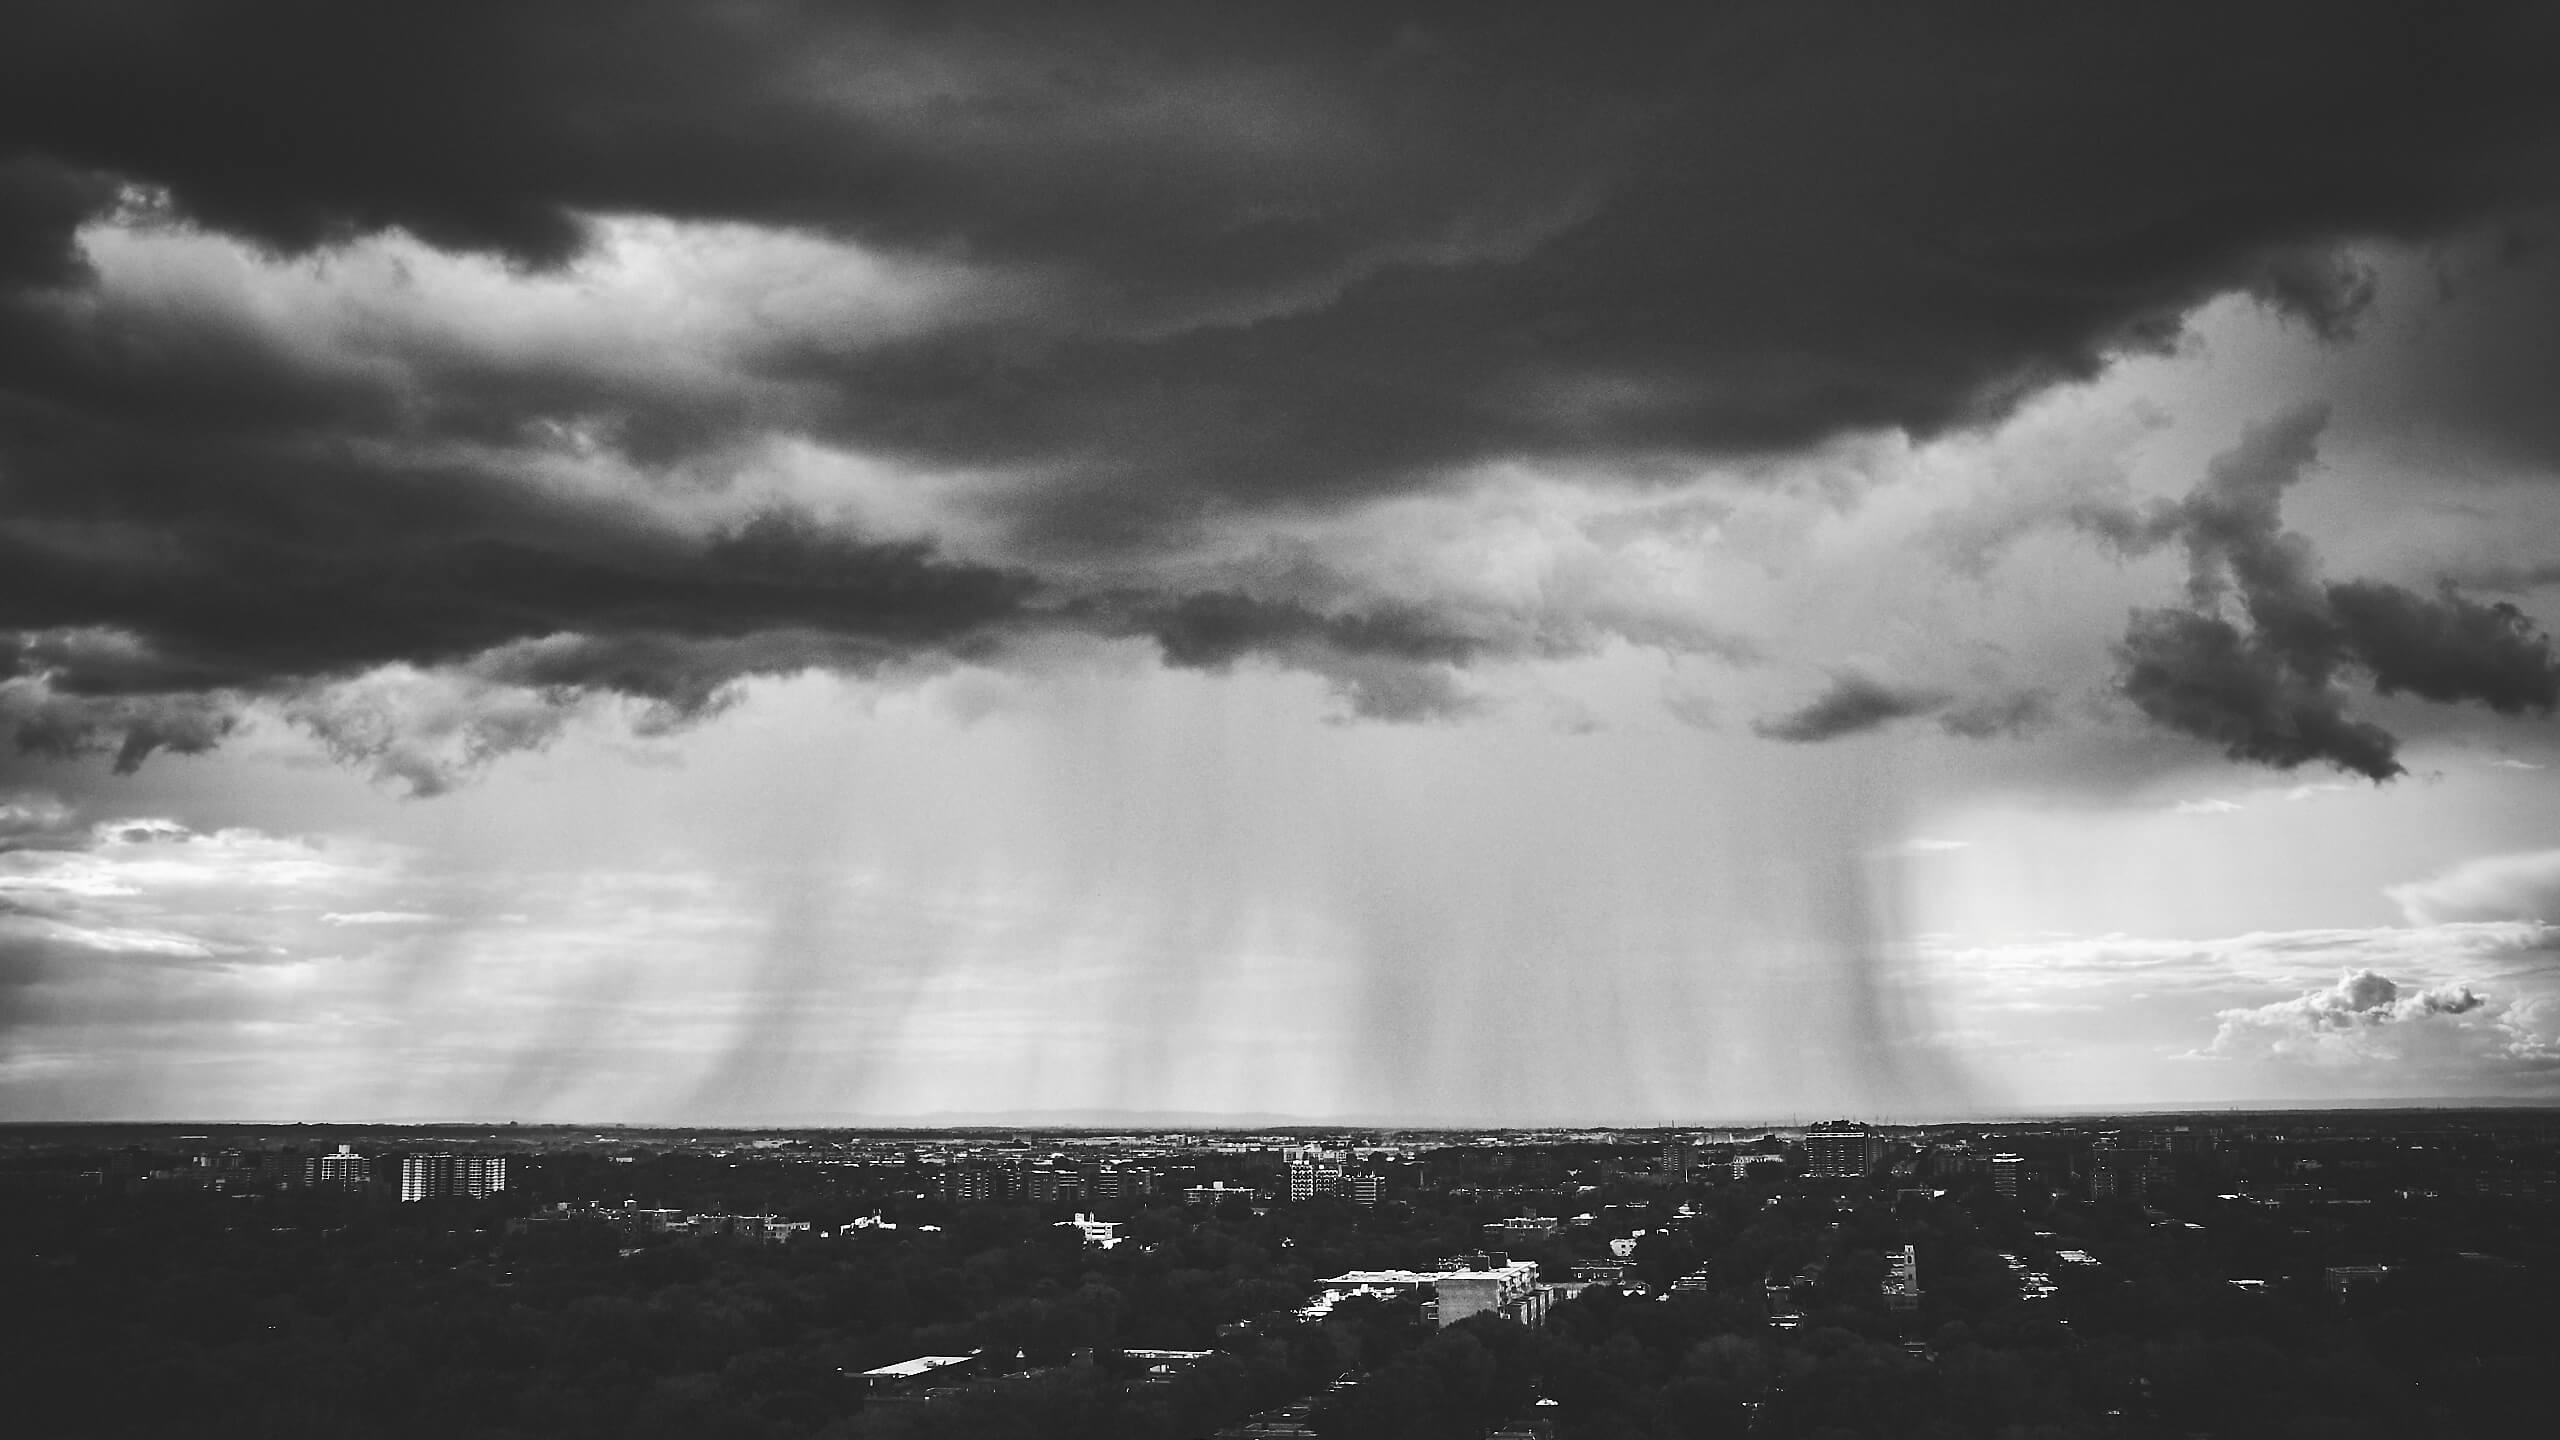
(1931,845)
(2206,806)
(2509,762)
(377,917)
(2367,1020)
(2317,788)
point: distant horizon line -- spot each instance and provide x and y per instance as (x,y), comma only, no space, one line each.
(1154,1120)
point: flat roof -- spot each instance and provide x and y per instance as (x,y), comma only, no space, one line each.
(921,1365)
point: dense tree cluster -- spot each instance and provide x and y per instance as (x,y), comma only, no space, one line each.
(154,1304)
(327,1314)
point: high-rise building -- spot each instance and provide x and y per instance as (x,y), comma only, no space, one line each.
(1842,1151)
(2005,1170)
(342,1169)
(1313,1171)
(2113,1174)
(1677,1155)
(968,1182)
(1051,1184)
(1123,1182)
(1956,1162)
(425,1177)
(431,1177)
(483,1175)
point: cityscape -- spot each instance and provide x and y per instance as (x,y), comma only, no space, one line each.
(2151,1275)
(1203,720)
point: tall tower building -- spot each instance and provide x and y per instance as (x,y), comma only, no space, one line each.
(1902,1279)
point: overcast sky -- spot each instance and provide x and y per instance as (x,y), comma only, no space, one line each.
(748,561)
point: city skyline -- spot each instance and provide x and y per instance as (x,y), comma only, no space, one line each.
(1381,565)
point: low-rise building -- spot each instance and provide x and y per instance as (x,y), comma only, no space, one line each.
(907,1374)
(1215,1192)
(1098,1234)
(1510,1290)
(1520,1229)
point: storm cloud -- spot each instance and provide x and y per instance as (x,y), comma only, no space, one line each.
(297,385)
(2260,658)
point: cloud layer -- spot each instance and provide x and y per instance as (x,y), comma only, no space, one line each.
(337,345)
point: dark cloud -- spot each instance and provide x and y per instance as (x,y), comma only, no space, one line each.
(1344,245)
(1853,704)
(2448,648)
(2198,675)
(2329,292)
(2275,691)
(1215,629)
(141,632)
(1201,260)
(2473,383)
(129,728)
(1856,703)
(1389,662)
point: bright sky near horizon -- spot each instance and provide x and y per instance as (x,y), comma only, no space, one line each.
(1403,567)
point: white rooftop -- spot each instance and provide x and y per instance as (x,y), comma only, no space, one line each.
(921,1365)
